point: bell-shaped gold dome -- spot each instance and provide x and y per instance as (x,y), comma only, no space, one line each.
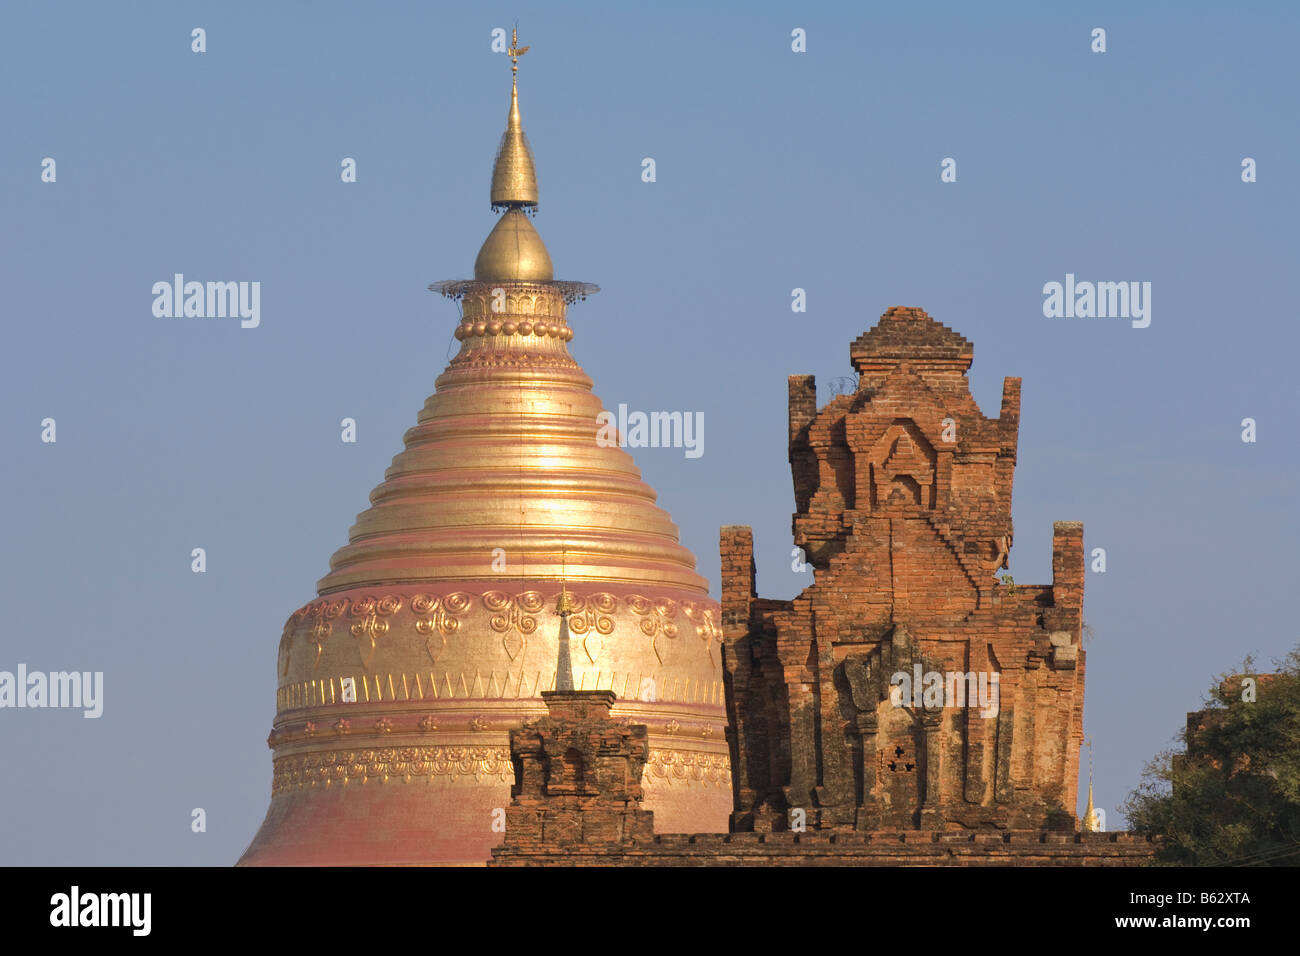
(432,635)
(513,251)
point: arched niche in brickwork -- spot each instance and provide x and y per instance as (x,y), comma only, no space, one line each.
(900,470)
(899,776)
(566,768)
(575,768)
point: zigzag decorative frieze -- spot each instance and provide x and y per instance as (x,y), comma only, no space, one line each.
(405,764)
(431,686)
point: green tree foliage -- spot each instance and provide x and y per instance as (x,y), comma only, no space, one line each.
(1233,798)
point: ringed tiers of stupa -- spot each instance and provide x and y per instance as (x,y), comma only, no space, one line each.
(435,633)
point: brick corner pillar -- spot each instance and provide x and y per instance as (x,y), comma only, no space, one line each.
(739,577)
(739,591)
(1068,566)
(803,402)
(1065,618)
(1010,411)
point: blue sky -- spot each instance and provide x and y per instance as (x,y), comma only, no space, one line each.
(775,170)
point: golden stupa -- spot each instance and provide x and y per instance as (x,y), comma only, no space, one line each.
(435,630)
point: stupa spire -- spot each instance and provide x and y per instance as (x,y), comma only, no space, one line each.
(1089,813)
(513,251)
(563,663)
(514,177)
(1089,822)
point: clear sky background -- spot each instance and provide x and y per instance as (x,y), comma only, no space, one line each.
(775,170)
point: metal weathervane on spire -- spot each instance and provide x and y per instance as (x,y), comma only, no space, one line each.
(515,52)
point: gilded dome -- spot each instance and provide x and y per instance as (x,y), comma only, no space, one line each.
(513,251)
(433,635)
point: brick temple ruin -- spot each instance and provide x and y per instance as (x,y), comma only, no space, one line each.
(908,707)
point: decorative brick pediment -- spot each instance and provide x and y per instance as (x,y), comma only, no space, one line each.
(901,469)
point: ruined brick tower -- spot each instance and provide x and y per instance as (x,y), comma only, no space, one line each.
(577,789)
(903,507)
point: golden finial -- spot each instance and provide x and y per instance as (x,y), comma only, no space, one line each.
(514,178)
(564,605)
(515,51)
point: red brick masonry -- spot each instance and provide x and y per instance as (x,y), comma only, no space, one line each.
(577,803)
(906,848)
(903,508)
(903,497)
